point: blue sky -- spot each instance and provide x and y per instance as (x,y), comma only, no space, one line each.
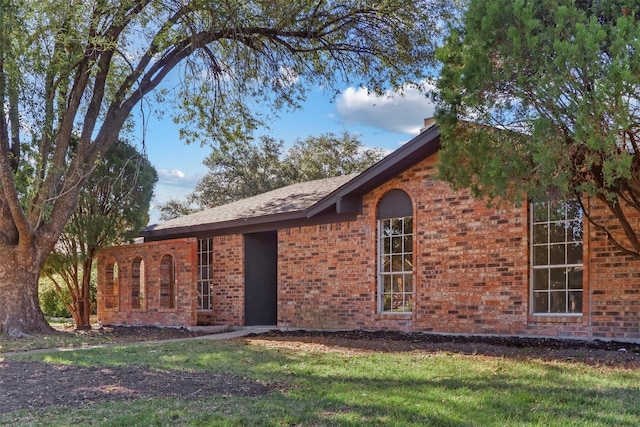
(382,122)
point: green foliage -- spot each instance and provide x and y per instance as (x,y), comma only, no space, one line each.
(52,302)
(564,78)
(243,169)
(113,208)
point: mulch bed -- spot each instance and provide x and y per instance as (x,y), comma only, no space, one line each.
(596,352)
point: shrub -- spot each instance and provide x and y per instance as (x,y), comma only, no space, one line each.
(52,302)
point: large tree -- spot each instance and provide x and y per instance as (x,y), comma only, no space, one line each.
(113,207)
(244,169)
(540,97)
(81,67)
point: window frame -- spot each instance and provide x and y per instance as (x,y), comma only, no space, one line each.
(569,289)
(389,277)
(205,280)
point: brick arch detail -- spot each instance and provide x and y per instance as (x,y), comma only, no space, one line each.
(184,312)
(168,280)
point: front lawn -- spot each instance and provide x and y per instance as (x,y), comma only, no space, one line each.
(329,385)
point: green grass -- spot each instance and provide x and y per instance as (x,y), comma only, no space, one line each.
(352,389)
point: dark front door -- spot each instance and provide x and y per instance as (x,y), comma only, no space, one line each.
(261,278)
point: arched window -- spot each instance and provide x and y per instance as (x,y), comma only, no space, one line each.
(111,285)
(167,282)
(395,249)
(138,284)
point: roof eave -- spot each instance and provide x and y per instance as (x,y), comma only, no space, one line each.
(420,147)
(224,225)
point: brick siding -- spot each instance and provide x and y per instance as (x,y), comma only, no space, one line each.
(184,253)
(471,273)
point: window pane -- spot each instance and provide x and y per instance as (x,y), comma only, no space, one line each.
(386,264)
(386,283)
(396,245)
(396,263)
(558,278)
(573,209)
(557,210)
(398,285)
(575,302)
(396,226)
(386,305)
(408,225)
(574,253)
(540,211)
(541,279)
(541,302)
(556,255)
(386,227)
(575,231)
(540,255)
(575,279)
(386,245)
(408,283)
(408,302)
(540,233)
(408,243)
(557,232)
(558,301)
(408,262)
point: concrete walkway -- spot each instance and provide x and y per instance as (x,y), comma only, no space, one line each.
(217,333)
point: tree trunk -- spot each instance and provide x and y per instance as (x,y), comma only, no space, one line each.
(84,303)
(20,314)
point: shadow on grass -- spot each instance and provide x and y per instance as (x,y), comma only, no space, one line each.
(372,389)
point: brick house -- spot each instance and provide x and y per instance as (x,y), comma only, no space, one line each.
(391,248)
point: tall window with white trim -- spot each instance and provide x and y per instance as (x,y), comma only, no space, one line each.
(205,273)
(556,257)
(395,249)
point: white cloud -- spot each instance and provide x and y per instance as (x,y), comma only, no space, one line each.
(391,112)
(172,184)
(177,178)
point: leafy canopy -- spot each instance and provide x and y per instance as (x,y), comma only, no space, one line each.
(80,67)
(244,169)
(113,207)
(544,96)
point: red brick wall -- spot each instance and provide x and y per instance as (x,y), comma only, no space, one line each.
(614,283)
(184,253)
(471,265)
(471,274)
(228,280)
(324,276)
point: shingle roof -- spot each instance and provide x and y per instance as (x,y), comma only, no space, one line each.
(291,200)
(302,203)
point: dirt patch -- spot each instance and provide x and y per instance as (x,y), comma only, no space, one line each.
(37,385)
